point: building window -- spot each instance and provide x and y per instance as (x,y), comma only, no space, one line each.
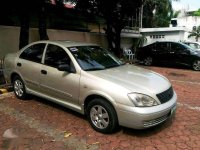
(157,36)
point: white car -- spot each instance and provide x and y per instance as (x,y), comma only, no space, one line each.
(90,80)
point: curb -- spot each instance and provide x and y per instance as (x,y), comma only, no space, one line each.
(5,90)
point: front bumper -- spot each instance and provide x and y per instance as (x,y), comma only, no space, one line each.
(145,117)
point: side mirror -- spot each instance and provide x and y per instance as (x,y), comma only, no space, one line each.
(66,67)
(185,51)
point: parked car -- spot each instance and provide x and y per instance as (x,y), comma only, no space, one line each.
(168,52)
(90,80)
(194,45)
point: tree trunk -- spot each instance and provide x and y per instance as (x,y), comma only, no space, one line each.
(113,33)
(42,22)
(24,29)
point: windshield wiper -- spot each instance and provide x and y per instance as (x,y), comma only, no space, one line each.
(93,69)
(112,66)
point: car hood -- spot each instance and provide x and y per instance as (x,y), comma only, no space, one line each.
(134,78)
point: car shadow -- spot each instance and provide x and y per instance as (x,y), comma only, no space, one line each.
(128,131)
(57,106)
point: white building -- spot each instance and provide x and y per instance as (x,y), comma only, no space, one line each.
(190,22)
(164,34)
(179,30)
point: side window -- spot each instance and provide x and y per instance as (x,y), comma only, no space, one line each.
(161,47)
(56,56)
(176,47)
(33,53)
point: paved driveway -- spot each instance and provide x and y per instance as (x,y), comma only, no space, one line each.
(38,124)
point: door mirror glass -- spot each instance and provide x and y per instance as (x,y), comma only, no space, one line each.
(185,51)
(65,67)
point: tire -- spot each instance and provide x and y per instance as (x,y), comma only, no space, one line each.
(104,121)
(148,61)
(19,88)
(196,65)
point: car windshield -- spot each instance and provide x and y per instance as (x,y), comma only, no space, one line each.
(94,58)
(189,47)
(194,45)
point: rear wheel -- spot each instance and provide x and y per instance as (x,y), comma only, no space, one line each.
(19,88)
(196,65)
(102,116)
(148,61)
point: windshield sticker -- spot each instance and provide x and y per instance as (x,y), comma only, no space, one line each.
(73,49)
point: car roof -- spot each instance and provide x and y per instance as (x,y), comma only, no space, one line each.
(167,42)
(191,42)
(66,43)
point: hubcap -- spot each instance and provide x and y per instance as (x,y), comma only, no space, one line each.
(99,116)
(18,87)
(196,65)
(148,61)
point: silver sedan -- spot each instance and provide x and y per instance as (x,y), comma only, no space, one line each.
(92,81)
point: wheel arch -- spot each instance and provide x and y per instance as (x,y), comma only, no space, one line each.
(14,74)
(89,98)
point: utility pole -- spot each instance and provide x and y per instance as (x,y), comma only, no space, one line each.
(141,16)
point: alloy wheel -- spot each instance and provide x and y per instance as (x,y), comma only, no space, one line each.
(18,87)
(196,65)
(148,61)
(99,117)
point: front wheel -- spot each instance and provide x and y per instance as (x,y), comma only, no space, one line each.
(19,88)
(148,61)
(196,65)
(102,116)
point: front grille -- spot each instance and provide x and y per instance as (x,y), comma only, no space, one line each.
(166,95)
(154,122)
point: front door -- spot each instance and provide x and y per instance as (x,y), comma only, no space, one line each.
(180,54)
(61,85)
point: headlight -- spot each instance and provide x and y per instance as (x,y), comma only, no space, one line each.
(141,100)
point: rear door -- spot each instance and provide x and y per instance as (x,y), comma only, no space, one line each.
(161,52)
(29,65)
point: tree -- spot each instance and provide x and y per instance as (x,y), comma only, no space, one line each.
(195,33)
(24,8)
(114,12)
(157,13)
(176,14)
(196,13)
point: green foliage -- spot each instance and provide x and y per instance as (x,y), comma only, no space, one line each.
(176,13)
(157,13)
(195,33)
(196,13)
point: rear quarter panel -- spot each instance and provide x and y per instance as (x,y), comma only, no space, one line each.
(9,66)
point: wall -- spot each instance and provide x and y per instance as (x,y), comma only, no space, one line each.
(9,38)
(188,21)
(164,34)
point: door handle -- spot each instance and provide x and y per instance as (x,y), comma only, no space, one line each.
(43,71)
(19,64)
(171,52)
